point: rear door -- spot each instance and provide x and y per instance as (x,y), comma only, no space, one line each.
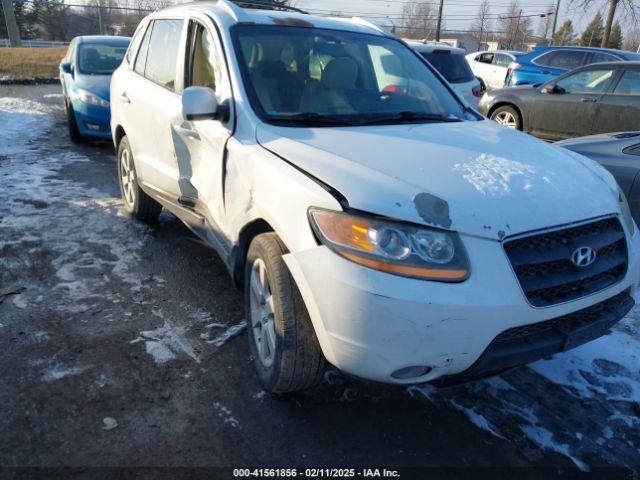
(619,108)
(156,104)
(571,112)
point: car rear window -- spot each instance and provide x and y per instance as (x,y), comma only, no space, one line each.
(452,66)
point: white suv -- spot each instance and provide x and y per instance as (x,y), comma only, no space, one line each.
(395,234)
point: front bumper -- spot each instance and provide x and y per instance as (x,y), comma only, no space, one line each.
(371,324)
(93,120)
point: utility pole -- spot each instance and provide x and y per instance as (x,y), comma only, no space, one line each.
(439,25)
(481,28)
(515,34)
(100,26)
(555,22)
(12,25)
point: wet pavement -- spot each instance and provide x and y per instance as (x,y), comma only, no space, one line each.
(123,345)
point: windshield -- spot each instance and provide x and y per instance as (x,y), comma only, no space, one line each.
(99,59)
(299,75)
(453,67)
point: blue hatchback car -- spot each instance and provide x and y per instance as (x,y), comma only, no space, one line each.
(546,63)
(85,75)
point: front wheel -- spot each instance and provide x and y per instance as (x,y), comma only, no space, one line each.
(282,341)
(72,125)
(507,116)
(136,201)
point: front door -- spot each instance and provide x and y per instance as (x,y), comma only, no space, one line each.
(200,144)
(620,109)
(569,110)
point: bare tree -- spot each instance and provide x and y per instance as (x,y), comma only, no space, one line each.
(546,23)
(629,7)
(419,19)
(632,39)
(516,28)
(481,23)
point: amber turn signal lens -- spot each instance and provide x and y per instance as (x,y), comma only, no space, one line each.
(345,230)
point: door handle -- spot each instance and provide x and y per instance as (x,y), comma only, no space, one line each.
(588,100)
(125,98)
(187,132)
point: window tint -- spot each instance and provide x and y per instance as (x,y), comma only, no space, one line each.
(454,67)
(485,58)
(603,57)
(204,70)
(163,52)
(133,45)
(503,60)
(629,84)
(141,58)
(591,81)
(566,59)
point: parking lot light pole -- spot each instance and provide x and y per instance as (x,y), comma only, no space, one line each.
(439,25)
(12,25)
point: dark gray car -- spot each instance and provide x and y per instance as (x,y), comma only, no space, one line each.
(620,154)
(597,98)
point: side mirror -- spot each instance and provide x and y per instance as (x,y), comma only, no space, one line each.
(66,67)
(200,103)
(552,89)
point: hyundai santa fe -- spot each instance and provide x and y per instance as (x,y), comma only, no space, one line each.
(393,233)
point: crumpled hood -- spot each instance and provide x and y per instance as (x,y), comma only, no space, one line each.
(473,177)
(97,84)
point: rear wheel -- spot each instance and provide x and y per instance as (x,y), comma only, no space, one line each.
(507,116)
(282,341)
(72,125)
(136,201)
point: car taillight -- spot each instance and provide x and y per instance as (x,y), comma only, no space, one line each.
(477,91)
(513,66)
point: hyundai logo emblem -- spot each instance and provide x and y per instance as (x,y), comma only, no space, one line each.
(583,256)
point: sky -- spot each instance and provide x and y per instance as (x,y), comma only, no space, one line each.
(457,14)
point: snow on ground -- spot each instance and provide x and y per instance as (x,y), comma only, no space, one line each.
(583,404)
(50,221)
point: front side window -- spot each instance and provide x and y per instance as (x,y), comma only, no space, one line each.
(485,58)
(99,59)
(162,57)
(629,84)
(318,76)
(565,59)
(590,81)
(454,67)
(204,62)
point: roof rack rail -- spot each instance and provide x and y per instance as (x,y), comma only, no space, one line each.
(269,4)
(367,23)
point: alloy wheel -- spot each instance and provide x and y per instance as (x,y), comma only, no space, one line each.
(262,313)
(127,178)
(507,119)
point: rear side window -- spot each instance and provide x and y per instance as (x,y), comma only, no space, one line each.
(566,59)
(163,52)
(141,58)
(503,60)
(452,66)
(629,84)
(603,57)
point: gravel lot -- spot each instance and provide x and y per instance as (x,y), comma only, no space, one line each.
(123,345)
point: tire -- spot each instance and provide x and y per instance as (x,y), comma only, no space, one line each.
(72,125)
(507,116)
(297,361)
(136,202)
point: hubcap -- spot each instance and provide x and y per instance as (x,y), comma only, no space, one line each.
(507,119)
(127,178)
(262,313)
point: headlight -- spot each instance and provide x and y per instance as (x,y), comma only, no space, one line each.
(393,247)
(626,212)
(91,99)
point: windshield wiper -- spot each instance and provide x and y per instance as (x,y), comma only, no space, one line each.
(313,119)
(409,117)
